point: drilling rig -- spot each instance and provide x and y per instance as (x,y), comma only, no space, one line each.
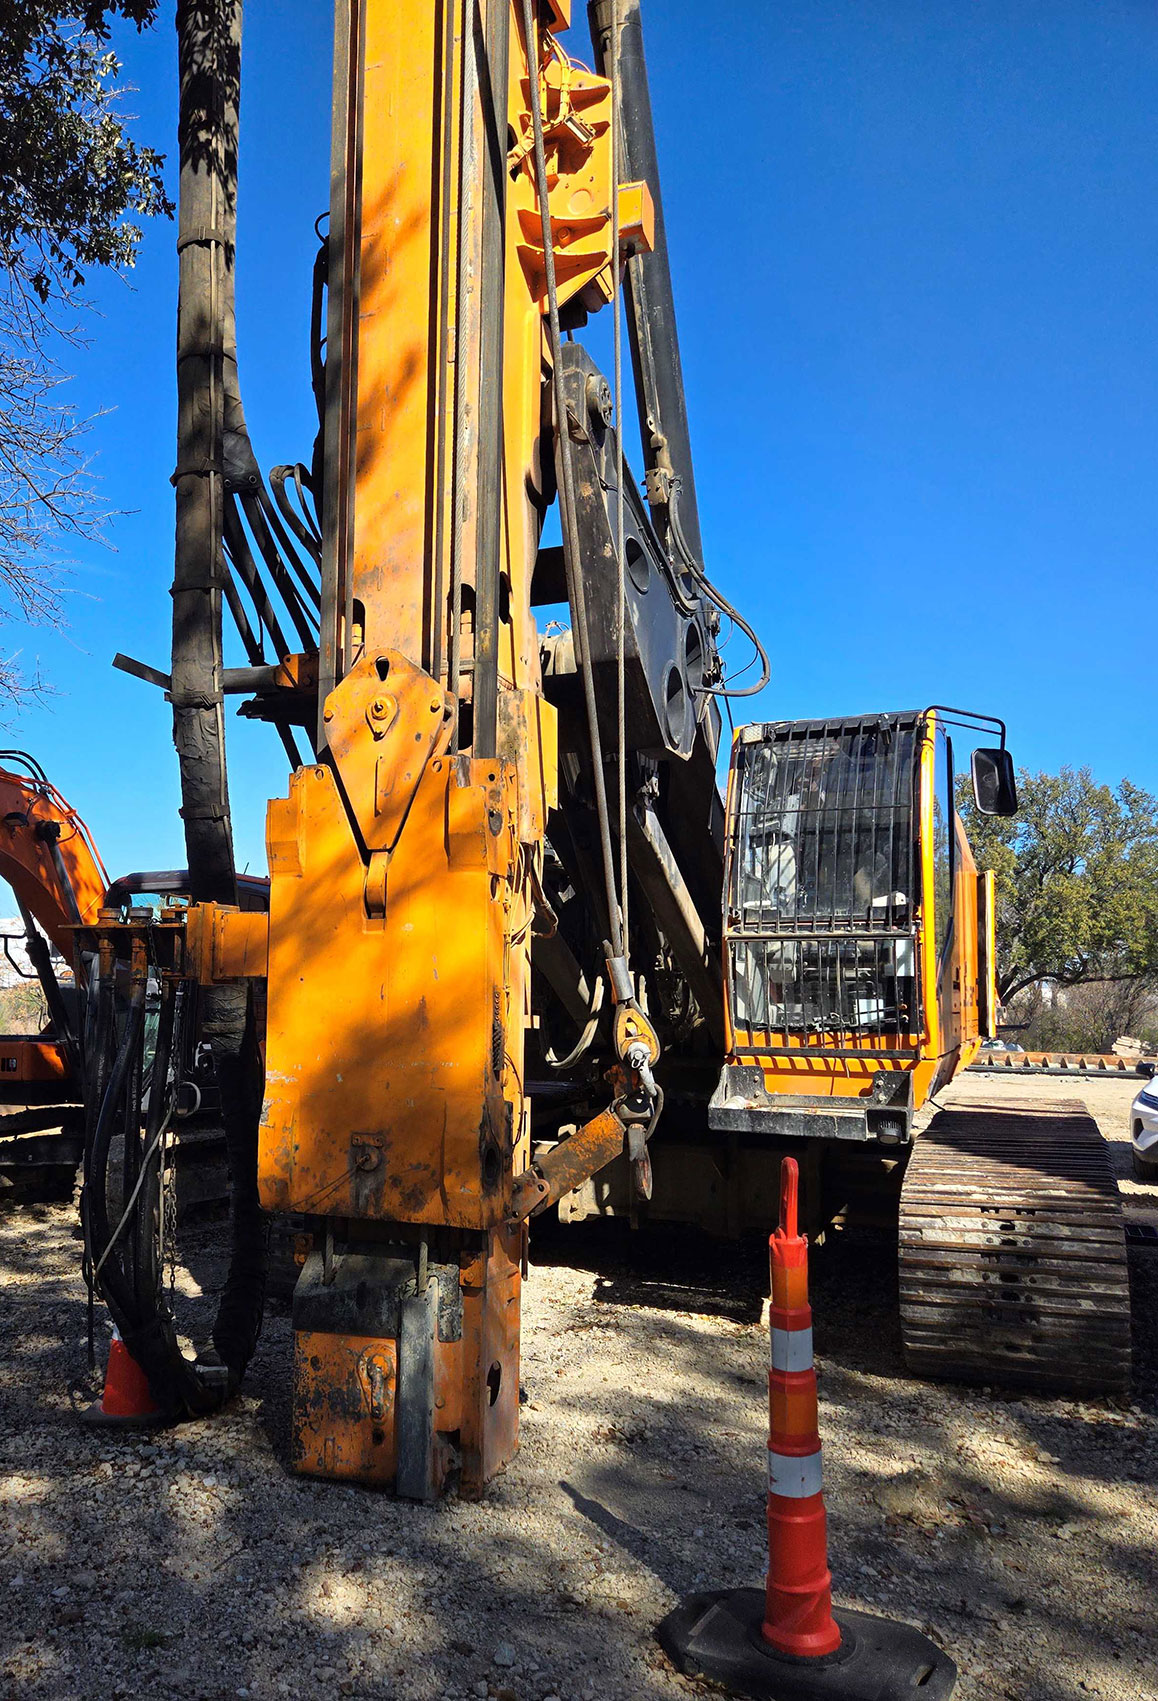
(514,943)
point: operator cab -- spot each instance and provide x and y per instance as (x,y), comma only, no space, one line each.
(857,933)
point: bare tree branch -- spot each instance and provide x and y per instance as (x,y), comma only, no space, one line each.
(70,176)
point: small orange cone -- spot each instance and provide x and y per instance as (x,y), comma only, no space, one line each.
(126,1400)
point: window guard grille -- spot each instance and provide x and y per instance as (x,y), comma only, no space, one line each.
(823,883)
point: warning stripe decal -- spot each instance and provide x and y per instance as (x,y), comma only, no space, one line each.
(792,1349)
(795,1478)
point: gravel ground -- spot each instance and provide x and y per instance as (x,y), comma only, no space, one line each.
(1020,1533)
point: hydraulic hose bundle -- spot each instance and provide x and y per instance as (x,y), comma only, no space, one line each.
(226,523)
(131,1103)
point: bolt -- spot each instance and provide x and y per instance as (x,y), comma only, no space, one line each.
(329,715)
(599,400)
(378,707)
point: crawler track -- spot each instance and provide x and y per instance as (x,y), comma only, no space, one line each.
(1013,1251)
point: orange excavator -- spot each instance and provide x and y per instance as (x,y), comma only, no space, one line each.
(49,859)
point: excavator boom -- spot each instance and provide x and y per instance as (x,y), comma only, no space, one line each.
(47,854)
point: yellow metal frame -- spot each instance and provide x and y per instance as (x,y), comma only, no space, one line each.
(403,863)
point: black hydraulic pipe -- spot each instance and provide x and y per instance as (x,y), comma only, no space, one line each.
(147,1228)
(40,957)
(242,558)
(253,889)
(112,1282)
(651,320)
(130,1118)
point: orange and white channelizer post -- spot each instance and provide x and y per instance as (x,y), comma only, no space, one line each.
(798,1611)
(785,1641)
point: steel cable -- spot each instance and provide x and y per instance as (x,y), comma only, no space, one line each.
(620,586)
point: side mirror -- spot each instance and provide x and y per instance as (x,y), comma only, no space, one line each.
(994,787)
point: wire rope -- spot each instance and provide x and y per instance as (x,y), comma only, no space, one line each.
(620,585)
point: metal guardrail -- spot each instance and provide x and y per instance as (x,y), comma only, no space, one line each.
(1059,1063)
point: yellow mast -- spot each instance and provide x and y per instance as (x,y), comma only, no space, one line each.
(403,862)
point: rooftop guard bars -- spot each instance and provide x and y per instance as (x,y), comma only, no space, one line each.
(823,886)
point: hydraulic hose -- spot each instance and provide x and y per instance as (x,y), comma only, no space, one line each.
(113,1286)
(129,1283)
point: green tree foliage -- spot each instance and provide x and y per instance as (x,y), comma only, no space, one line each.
(1077,880)
(22,1008)
(73,185)
(69,173)
(1090,1017)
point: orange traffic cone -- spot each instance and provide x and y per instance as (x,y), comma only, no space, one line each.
(798,1617)
(126,1401)
(785,1642)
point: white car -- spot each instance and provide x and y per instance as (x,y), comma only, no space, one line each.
(1144,1132)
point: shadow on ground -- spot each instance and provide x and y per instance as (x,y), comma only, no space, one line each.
(1021,1533)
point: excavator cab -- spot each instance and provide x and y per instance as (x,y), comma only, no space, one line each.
(858,934)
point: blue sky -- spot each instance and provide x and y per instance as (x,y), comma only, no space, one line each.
(914,250)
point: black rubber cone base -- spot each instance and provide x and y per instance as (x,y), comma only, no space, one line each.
(95,1418)
(717,1636)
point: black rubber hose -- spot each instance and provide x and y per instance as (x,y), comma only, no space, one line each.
(299,522)
(709,590)
(113,1287)
(148,1224)
(239,1316)
(149,1331)
(175,1381)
